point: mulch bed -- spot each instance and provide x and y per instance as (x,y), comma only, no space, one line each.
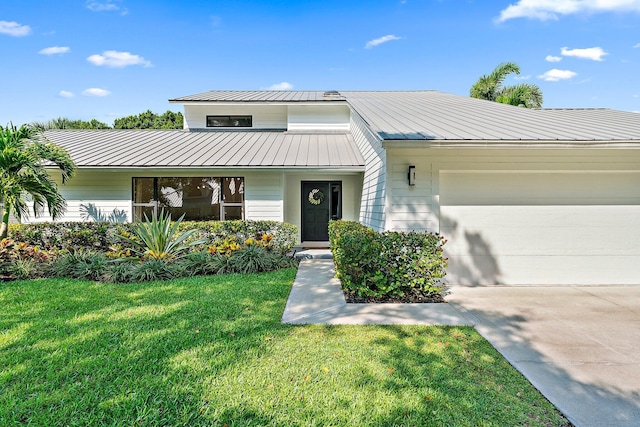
(414,298)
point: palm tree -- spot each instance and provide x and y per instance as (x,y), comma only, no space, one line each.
(24,154)
(490,87)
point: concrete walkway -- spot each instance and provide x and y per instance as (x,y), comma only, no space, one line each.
(580,346)
(316,298)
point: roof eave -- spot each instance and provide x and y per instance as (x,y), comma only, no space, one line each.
(501,143)
(258,102)
(279,168)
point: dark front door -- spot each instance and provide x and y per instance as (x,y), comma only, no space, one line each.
(316,211)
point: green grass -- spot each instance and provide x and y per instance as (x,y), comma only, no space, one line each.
(212,351)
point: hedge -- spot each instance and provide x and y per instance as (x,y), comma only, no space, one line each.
(101,236)
(388,264)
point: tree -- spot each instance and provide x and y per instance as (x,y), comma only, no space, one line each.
(65,123)
(490,87)
(150,120)
(24,152)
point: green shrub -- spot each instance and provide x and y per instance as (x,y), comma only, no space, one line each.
(152,269)
(23,261)
(250,259)
(389,264)
(282,236)
(205,263)
(119,271)
(103,236)
(25,269)
(81,263)
(106,251)
(93,266)
(158,238)
(64,235)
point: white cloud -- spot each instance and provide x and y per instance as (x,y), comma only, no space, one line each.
(556,75)
(636,46)
(281,86)
(94,91)
(552,9)
(115,59)
(527,77)
(54,50)
(14,29)
(593,53)
(65,94)
(102,6)
(379,41)
(551,58)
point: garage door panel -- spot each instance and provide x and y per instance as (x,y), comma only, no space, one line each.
(550,216)
(538,230)
(537,240)
(544,270)
(511,228)
(540,188)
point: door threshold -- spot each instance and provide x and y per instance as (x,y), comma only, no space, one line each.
(315,245)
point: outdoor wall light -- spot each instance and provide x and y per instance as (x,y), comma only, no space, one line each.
(412,175)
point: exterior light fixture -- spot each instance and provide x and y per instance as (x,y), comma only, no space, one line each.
(412,175)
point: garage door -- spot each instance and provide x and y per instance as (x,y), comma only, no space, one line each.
(528,228)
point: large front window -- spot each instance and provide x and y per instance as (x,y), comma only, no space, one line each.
(198,198)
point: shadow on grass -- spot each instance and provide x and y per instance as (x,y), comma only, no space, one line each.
(212,351)
(94,353)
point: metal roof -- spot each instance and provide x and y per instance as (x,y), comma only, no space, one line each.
(261,96)
(178,148)
(432,115)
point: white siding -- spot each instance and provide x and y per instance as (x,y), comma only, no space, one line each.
(527,216)
(263,116)
(318,117)
(112,190)
(269,195)
(372,205)
(106,190)
(263,198)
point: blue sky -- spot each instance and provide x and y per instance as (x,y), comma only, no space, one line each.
(105,59)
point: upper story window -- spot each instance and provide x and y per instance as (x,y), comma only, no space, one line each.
(229,121)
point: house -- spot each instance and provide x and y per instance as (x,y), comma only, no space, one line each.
(530,197)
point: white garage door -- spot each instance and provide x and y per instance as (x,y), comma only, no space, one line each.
(541,227)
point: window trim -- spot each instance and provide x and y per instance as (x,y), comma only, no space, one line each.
(230,119)
(155,203)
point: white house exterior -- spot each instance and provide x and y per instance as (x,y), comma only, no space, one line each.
(530,197)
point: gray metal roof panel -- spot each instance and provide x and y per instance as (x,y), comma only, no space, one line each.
(177,148)
(432,115)
(259,96)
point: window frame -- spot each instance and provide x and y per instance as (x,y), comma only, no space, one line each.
(155,202)
(230,119)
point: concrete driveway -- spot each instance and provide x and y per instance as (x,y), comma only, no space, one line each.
(579,345)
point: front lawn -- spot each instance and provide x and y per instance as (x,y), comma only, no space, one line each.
(212,351)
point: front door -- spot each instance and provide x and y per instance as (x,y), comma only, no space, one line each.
(321,201)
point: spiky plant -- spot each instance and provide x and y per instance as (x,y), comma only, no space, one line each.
(158,238)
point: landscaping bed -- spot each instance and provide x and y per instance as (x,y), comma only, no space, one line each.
(408,298)
(156,249)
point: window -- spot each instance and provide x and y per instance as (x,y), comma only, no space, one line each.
(229,121)
(197,198)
